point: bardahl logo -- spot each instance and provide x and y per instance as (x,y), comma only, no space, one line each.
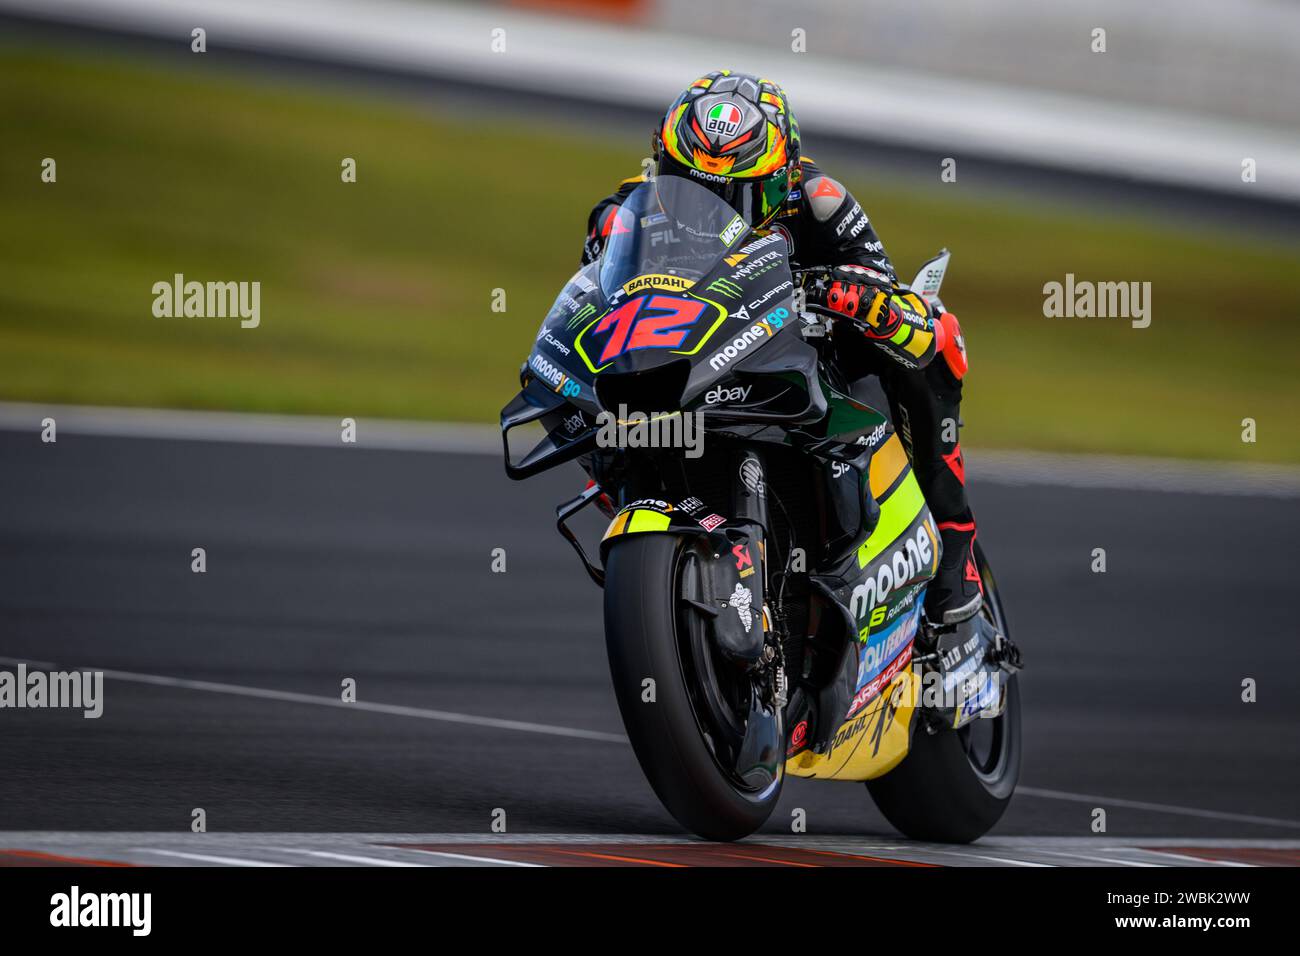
(656,281)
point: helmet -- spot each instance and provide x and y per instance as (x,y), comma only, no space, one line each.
(734,134)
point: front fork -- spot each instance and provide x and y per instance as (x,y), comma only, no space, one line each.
(762,752)
(749,493)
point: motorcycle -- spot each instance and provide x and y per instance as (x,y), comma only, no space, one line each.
(763,592)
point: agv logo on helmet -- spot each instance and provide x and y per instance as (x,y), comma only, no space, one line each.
(723,120)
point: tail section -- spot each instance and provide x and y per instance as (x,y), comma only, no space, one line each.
(930,277)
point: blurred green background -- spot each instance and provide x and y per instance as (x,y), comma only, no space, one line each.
(376,296)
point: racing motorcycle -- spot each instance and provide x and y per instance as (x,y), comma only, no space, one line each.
(763,591)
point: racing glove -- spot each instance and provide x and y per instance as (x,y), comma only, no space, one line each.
(897,321)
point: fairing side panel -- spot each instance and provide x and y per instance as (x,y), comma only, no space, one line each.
(886,580)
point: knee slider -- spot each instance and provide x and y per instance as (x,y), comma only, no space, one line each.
(952,344)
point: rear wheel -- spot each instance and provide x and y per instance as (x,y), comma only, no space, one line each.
(953,786)
(688,737)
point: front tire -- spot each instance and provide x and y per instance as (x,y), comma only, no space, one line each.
(679,736)
(953,786)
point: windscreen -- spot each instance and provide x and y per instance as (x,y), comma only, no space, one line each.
(668,226)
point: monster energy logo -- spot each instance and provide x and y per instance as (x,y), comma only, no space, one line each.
(582,314)
(726,287)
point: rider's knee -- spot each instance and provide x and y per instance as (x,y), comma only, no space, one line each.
(951,344)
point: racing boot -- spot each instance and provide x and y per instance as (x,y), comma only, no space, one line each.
(956,593)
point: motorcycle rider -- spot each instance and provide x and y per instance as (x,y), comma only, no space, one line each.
(734,134)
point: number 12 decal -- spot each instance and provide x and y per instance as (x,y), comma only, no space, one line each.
(652,322)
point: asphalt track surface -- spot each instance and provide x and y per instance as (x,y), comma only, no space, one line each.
(223,688)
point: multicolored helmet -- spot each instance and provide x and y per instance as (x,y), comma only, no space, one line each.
(735,134)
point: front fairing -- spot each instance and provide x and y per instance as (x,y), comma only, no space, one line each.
(552,362)
(686,310)
(682,279)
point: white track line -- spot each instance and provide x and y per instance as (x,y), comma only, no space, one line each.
(1109,861)
(998,467)
(1156,807)
(398,710)
(475,859)
(205,858)
(342,857)
(1199,861)
(395,710)
(255,429)
(992,859)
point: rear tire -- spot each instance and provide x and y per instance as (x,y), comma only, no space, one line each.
(947,790)
(647,638)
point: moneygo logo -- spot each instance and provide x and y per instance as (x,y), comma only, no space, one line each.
(552,376)
(763,329)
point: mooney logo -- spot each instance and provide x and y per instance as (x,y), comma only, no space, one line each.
(755,333)
(907,561)
(553,377)
(708,177)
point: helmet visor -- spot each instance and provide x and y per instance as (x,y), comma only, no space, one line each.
(757,200)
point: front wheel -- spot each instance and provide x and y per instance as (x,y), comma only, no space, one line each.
(687,733)
(953,786)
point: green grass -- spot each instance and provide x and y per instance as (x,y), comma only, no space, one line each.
(376,296)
